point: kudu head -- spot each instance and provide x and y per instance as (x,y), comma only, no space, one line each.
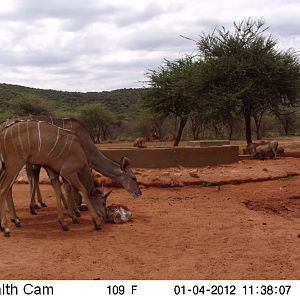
(98,200)
(128,179)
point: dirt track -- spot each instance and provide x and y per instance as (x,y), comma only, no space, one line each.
(246,231)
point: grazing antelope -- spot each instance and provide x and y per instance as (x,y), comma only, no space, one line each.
(41,143)
(119,172)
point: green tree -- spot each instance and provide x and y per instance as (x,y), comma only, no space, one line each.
(245,73)
(29,105)
(171,91)
(287,118)
(98,120)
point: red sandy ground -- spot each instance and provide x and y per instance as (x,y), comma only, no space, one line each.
(188,231)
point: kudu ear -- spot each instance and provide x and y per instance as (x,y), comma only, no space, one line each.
(125,162)
(96,191)
(106,195)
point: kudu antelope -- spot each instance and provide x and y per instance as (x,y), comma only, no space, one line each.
(119,172)
(41,143)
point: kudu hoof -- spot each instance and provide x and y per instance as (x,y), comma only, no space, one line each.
(97,226)
(83,207)
(32,211)
(75,221)
(6,233)
(36,206)
(65,228)
(44,204)
(16,222)
(77,214)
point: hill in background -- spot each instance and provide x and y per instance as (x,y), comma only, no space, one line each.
(117,101)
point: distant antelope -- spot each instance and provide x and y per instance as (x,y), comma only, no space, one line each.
(41,143)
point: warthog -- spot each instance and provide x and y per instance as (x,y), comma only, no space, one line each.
(117,213)
(251,147)
(280,151)
(139,143)
(266,151)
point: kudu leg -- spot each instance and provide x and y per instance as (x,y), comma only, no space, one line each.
(56,186)
(74,181)
(72,208)
(73,194)
(11,207)
(4,223)
(54,177)
(64,201)
(33,182)
(6,183)
(12,210)
(32,205)
(39,195)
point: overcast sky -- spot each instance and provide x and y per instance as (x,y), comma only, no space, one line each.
(95,45)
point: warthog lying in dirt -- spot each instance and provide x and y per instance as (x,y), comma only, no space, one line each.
(268,150)
(117,213)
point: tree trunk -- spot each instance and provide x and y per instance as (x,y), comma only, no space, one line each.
(286,127)
(104,132)
(247,117)
(180,130)
(230,125)
(195,133)
(257,121)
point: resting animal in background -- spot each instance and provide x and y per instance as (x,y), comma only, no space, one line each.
(155,137)
(117,213)
(251,147)
(266,151)
(139,143)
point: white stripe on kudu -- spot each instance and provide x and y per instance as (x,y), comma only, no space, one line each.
(4,140)
(63,148)
(13,140)
(40,140)
(28,138)
(20,138)
(71,142)
(57,138)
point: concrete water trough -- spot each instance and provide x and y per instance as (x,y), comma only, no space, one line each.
(165,157)
(208,143)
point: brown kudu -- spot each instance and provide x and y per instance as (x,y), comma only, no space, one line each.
(41,143)
(119,172)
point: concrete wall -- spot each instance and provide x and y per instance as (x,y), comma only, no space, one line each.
(208,143)
(173,157)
